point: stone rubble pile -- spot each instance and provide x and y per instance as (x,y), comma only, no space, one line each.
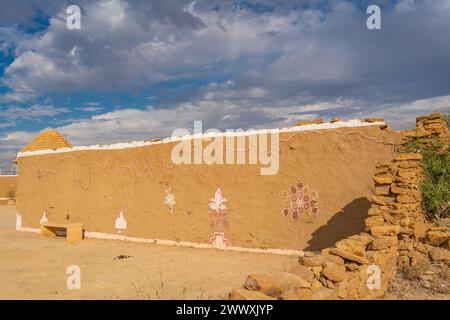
(432,125)
(396,237)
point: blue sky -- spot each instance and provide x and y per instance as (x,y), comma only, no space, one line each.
(140,69)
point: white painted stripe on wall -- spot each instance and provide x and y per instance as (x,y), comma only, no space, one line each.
(136,144)
(108,236)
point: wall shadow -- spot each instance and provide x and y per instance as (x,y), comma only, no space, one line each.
(347,222)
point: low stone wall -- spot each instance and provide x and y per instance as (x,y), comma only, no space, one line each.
(396,237)
(432,125)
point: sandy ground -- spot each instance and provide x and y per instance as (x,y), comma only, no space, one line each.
(34,268)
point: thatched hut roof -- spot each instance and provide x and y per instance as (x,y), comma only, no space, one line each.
(48,140)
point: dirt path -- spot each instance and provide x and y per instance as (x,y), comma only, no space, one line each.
(34,268)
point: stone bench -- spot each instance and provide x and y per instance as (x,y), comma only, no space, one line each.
(74,230)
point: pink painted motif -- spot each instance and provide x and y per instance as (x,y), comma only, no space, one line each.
(300,201)
(219,219)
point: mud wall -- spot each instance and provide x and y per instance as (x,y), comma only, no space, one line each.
(8,184)
(333,168)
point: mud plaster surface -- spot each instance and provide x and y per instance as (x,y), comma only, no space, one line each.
(7,184)
(91,187)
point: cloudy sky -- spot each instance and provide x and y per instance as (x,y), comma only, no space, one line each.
(139,69)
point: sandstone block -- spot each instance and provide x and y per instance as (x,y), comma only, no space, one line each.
(386,230)
(264,283)
(323,294)
(440,254)
(383,243)
(353,246)
(300,294)
(332,258)
(407,173)
(290,281)
(244,294)
(363,237)
(383,190)
(314,261)
(316,284)
(437,238)
(375,212)
(372,120)
(382,200)
(334,272)
(422,247)
(307,122)
(349,256)
(408,156)
(303,272)
(382,179)
(374,221)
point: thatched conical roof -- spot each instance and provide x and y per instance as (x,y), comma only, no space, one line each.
(48,140)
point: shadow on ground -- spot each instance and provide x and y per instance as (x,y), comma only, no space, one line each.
(347,222)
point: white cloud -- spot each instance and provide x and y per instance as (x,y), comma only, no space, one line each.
(35,111)
(16,140)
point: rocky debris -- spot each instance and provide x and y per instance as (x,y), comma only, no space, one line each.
(374,120)
(335,120)
(408,156)
(440,254)
(431,126)
(384,243)
(348,256)
(332,258)
(306,122)
(292,281)
(299,294)
(385,230)
(275,285)
(323,294)
(374,221)
(304,272)
(334,272)
(397,239)
(264,283)
(313,261)
(244,294)
(438,237)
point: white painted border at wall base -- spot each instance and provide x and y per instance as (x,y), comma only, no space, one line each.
(108,236)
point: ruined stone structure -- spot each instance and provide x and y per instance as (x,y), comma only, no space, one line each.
(396,237)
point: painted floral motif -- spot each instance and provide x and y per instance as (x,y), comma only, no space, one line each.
(219,219)
(299,201)
(218,240)
(218,203)
(170,199)
(121,224)
(44,218)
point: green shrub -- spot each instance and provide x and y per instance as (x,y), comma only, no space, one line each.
(435,186)
(447,119)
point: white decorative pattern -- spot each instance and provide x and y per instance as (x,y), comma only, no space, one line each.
(121,223)
(170,199)
(44,218)
(218,203)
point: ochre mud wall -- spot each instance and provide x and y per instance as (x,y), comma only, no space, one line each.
(333,168)
(8,184)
